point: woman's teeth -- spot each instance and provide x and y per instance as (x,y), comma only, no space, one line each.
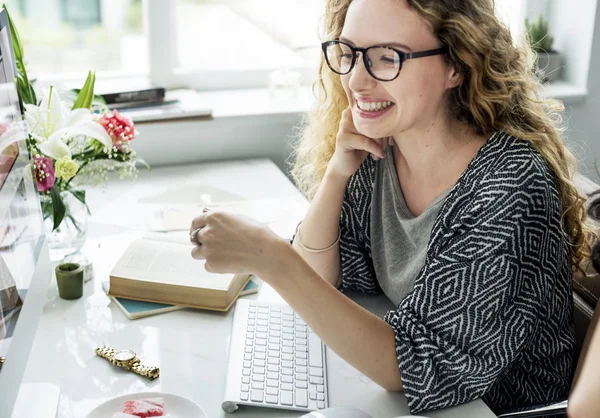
(373,106)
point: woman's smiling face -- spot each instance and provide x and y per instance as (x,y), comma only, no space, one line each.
(417,96)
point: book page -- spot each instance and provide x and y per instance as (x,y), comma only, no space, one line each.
(169,263)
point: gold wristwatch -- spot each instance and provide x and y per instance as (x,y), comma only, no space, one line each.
(128,360)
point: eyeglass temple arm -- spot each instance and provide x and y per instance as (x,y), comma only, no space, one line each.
(439,51)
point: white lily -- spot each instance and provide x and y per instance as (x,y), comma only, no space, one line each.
(52,125)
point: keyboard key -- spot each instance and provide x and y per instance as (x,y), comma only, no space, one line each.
(287,350)
(301,385)
(276,327)
(275,314)
(251,322)
(274,347)
(273,375)
(287,386)
(301,334)
(273,321)
(271,399)
(246,379)
(275,307)
(314,351)
(320,397)
(274,354)
(258,385)
(272,391)
(245,388)
(261,329)
(249,343)
(300,348)
(315,372)
(247,356)
(252,303)
(260,356)
(287,324)
(312,395)
(316,380)
(272,383)
(303,376)
(274,340)
(273,368)
(252,309)
(263,304)
(320,389)
(247,364)
(288,357)
(258,370)
(301,355)
(260,349)
(320,405)
(246,372)
(286,397)
(262,322)
(247,349)
(273,333)
(251,315)
(250,328)
(250,335)
(287,364)
(273,360)
(263,310)
(300,341)
(288,317)
(301,398)
(286,372)
(258,377)
(288,310)
(244,396)
(286,379)
(287,343)
(300,328)
(260,342)
(261,335)
(301,362)
(259,363)
(256,396)
(288,337)
(262,316)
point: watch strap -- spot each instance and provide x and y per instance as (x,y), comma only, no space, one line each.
(151,372)
(106,352)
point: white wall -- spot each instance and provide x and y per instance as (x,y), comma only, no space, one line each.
(583,118)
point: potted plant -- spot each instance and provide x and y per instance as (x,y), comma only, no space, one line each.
(549,61)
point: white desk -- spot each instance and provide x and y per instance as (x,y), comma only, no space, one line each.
(190,347)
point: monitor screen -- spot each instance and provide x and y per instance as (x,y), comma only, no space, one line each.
(21,224)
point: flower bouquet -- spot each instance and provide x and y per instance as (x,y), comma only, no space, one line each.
(72,145)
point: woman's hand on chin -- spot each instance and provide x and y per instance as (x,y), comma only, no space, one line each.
(234,244)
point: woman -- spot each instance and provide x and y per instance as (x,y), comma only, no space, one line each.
(421,189)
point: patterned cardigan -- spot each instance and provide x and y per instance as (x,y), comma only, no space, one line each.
(490,314)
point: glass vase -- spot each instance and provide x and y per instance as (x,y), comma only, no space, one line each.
(71,234)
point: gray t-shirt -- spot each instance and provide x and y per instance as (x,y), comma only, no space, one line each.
(398,238)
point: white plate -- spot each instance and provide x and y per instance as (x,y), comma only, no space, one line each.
(174,405)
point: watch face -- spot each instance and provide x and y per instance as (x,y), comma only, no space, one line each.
(124,355)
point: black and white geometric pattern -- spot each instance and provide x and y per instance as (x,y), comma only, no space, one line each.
(491,311)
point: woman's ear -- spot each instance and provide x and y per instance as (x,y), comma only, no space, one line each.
(455,78)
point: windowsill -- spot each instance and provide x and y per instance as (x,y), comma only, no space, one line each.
(262,102)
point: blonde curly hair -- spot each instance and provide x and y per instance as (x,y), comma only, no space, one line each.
(500,92)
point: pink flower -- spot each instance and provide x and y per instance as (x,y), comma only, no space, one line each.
(44,173)
(119,128)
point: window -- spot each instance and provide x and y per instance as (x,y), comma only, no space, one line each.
(204,44)
(73,36)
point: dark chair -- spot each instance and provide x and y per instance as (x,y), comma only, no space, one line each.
(586,291)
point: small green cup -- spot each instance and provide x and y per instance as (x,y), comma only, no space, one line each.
(69,278)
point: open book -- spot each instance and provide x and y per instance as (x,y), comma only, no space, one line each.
(159,271)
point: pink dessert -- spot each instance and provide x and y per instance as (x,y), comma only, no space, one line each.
(144,408)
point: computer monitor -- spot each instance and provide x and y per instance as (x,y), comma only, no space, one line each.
(25,267)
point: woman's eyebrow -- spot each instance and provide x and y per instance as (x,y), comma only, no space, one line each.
(392,44)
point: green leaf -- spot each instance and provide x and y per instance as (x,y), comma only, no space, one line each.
(58,207)
(24,88)
(80,195)
(86,94)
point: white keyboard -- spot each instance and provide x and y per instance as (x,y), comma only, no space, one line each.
(275,360)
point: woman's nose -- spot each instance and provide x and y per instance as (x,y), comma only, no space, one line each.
(360,78)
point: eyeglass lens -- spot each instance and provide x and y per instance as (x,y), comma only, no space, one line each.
(383,62)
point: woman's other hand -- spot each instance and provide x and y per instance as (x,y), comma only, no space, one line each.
(352,148)
(232,243)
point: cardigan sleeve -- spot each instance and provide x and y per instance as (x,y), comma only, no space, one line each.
(356,262)
(478,299)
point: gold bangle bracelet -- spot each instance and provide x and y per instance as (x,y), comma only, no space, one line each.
(315,250)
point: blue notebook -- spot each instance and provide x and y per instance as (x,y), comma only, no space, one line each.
(134,309)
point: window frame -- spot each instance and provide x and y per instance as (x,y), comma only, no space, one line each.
(160,19)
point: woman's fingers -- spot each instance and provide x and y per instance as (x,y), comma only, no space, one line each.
(198,253)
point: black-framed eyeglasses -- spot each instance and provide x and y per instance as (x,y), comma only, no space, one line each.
(382,62)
